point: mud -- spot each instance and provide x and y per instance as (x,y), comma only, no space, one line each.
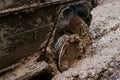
(112,72)
(75,45)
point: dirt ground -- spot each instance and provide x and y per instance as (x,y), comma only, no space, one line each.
(103,64)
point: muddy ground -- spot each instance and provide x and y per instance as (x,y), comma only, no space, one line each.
(103,64)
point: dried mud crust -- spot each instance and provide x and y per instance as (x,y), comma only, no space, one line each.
(112,72)
(78,26)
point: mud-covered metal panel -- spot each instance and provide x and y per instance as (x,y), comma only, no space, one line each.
(22,34)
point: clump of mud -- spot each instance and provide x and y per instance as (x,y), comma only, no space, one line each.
(78,44)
